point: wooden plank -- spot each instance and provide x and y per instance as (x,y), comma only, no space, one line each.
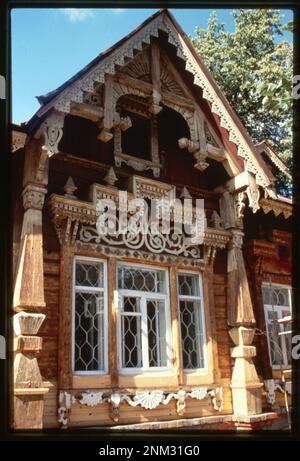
(176,334)
(65,318)
(112,322)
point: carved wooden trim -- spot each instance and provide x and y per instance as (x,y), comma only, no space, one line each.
(147,399)
(278,208)
(176,334)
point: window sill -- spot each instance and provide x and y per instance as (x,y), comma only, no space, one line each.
(91,381)
(198,377)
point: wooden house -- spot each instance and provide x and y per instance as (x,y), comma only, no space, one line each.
(147,333)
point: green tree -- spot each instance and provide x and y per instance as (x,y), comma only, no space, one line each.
(253,67)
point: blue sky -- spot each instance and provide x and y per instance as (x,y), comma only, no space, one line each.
(50,45)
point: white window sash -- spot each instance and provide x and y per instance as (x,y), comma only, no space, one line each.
(104,312)
(281,341)
(200,319)
(144,296)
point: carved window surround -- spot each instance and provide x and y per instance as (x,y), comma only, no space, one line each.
(136,163)
(75,222)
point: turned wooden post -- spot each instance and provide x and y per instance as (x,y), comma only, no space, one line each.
(245,384)
(28,299)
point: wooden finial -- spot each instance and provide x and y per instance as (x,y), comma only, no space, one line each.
(111,177)
(70,188)
(185,193)
(216,220)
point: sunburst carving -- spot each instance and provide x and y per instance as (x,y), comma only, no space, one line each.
(169,84)
(139,67)
(209,137)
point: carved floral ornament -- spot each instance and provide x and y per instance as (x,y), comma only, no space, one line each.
(147,399)
(75,92)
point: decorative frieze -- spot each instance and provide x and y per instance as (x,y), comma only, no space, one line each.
(149,400)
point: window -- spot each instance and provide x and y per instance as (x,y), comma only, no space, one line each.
(144,322)
(277,304)
(89,317)
(191,321)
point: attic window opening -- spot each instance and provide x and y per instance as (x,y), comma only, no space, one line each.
(136,141)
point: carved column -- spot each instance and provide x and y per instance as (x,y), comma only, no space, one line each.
(208,288)
(245,384)
(28,298)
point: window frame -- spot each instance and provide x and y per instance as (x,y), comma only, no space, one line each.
(200,298)
(278,309)
(143,295)
(104,290)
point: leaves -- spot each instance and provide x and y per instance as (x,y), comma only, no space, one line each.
(254,70)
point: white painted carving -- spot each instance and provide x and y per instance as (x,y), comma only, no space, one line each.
(271,385)
(146,399)
(52,129)
(91,399)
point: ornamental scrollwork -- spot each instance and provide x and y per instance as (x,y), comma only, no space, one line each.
(147,399)
(172,243)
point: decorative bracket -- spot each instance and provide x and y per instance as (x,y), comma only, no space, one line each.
(52,129)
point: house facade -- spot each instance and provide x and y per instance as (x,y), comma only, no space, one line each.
(138,330)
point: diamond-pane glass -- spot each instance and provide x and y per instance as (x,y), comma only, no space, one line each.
(191,334)
(188,285)
(131,334)
(157,346)
(277,301)
(143,317)
(89,331)
(276,296)
(287,338)
(274,338)
(89,274)
(151,281)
